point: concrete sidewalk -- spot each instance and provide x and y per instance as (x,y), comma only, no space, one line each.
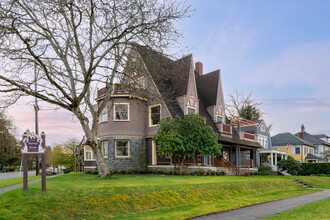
(270,208)
(8,188)
(10,175)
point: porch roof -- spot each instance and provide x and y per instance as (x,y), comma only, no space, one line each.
(274,151)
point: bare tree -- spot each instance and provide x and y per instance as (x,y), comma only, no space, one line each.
(76,45)
(243,106)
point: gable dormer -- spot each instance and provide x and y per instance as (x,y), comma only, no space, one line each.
(210,88)
(184,84)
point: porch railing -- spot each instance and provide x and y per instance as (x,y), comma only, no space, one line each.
(247,162)
(225,163)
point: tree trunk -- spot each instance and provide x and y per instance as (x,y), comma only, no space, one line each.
(181,165)
(102,165)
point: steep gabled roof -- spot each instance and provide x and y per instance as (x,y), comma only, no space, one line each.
(282,139)
(310,138)
(207,84)
(157,65)
(179,75)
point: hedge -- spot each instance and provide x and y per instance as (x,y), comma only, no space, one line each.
(314,168)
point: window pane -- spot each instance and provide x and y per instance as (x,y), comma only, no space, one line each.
(104,114)
(105,148)
(219,119)
(155,115)
(121,112)
(297,150)
(122,148)
(191,111)
(88,155)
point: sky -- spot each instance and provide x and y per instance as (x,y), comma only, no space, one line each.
(279,50)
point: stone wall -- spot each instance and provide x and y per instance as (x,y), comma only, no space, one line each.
(137,159)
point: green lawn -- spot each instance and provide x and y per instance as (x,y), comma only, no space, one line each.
(15,181)
(80,196)
(316,181)
(316,210)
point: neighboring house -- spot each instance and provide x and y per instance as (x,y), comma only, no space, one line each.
(321,146)
(158,88)
(294,146)
(267,155)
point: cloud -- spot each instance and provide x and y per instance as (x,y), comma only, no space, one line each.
(58,125)
(306,64)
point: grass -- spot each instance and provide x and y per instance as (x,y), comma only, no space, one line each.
(80,196)
(15,181)
(316,181)
(316,210)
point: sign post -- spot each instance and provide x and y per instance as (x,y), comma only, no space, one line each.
(32,144)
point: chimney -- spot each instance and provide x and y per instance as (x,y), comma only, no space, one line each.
(301,134)
(199,68)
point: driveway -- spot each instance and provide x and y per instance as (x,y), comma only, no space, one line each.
(10,175)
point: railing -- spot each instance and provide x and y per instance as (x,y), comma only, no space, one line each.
(247,162)
(225,163)
(224,128)
(249,136)
(117,90)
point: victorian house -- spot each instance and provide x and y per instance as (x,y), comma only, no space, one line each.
(155,87)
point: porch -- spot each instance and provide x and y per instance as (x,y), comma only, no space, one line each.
(270,157)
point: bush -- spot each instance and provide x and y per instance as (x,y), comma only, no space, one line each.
(315,169)
(291,165)
(265,169)
(67,170)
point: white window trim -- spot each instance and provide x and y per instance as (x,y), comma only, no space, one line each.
(105,156)
(160,114)
(114,111)
(128,150)
(216,118)
(154,154)
(92,154)
(188,107)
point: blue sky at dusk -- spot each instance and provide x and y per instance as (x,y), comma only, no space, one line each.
(279,50)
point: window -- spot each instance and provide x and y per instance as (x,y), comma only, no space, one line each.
(297,150)
(191,111)
(122,148)
(219,119)
(138,83)
(88,153)
(154,115)
(262,128)
(305,149)
(316,151)
(121,112)
(104,114)
(105,148)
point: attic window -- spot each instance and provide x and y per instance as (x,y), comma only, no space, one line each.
(191,110)
(219,119)
(262,128)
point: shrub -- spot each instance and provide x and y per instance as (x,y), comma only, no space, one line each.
(265,169)
(67,170)
(314,168)
(291,165)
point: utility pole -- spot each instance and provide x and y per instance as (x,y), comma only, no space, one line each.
(36,109)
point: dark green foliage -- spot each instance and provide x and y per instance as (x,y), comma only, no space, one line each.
(265,169)
(186,138)
(314,168)
(291,165)
(67,170)
(250,112)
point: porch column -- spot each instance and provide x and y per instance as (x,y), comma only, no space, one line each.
(271,159)
(281,156)
(237,157)
(275,159)
(230,155)
(286,156)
